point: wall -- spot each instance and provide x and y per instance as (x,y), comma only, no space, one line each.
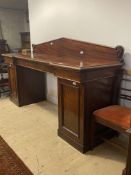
(13,22)
(98,21)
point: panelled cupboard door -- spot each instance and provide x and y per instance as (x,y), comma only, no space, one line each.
(70,99)
(13,82)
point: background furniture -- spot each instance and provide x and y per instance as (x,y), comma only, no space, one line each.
(118,118)
(88,79)
(4,85)
(25,40)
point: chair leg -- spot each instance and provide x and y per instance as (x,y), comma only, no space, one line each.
(128,164)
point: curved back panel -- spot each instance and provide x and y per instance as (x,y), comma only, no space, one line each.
(78,49)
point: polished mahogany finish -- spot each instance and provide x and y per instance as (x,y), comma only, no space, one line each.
(88,79)
(27,85)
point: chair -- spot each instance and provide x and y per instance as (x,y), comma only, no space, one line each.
(4,85)
(118,118)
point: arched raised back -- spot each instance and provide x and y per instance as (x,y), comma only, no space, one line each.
(73,48)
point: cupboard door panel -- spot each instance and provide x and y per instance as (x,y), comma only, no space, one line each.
(70,105)
(71,112)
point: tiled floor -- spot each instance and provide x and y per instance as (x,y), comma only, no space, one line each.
(32,133)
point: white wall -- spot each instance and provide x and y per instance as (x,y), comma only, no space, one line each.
(99,21)
(13,22)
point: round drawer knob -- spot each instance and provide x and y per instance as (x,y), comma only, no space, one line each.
(74,83)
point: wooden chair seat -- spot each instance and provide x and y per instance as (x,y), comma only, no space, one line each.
(116,117)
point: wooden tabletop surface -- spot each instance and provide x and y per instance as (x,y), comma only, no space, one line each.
(66,61)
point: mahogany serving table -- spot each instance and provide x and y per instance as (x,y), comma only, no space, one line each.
(88,78)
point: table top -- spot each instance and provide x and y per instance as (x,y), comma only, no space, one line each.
(66,61)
